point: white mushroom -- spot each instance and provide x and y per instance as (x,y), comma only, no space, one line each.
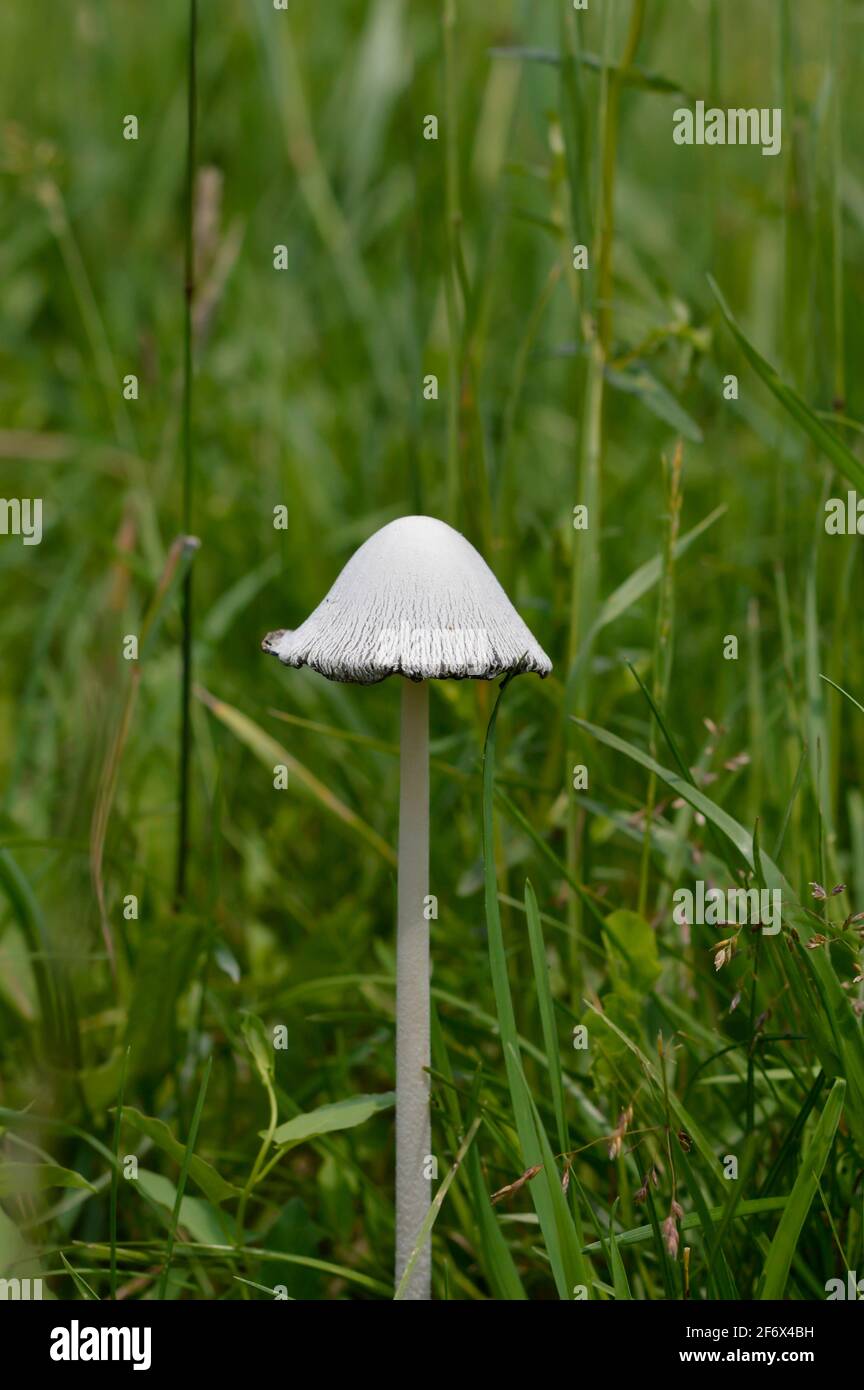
(415,600)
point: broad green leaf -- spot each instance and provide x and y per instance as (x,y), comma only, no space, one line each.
(202,1220)
(36,1177)
(203,1174)
(631,947)
(100,1083)
(342,1114)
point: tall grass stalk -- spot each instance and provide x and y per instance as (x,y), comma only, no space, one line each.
(188,1151)
(663,645)
(837,208)
(598,332)
(115,1177)
(715,49)
(188,465)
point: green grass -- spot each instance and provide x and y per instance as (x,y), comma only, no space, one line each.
(140,986)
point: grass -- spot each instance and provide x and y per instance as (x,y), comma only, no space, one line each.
(197,965)
(185,753)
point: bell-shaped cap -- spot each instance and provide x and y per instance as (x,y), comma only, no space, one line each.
(415,600)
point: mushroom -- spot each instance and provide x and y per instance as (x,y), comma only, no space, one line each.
(416,600)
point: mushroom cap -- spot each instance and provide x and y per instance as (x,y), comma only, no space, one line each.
(415,600)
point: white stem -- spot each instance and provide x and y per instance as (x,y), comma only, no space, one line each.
(413,1131)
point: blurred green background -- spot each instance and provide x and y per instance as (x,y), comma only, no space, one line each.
(409,257)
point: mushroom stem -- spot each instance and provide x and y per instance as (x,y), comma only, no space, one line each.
(413,1133)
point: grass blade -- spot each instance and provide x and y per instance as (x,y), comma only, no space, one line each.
(783,1246)
(825,439)
(529,1137)
(188,1152)
(115,1177)
(270,752)
(547,1013)
(435,1207)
